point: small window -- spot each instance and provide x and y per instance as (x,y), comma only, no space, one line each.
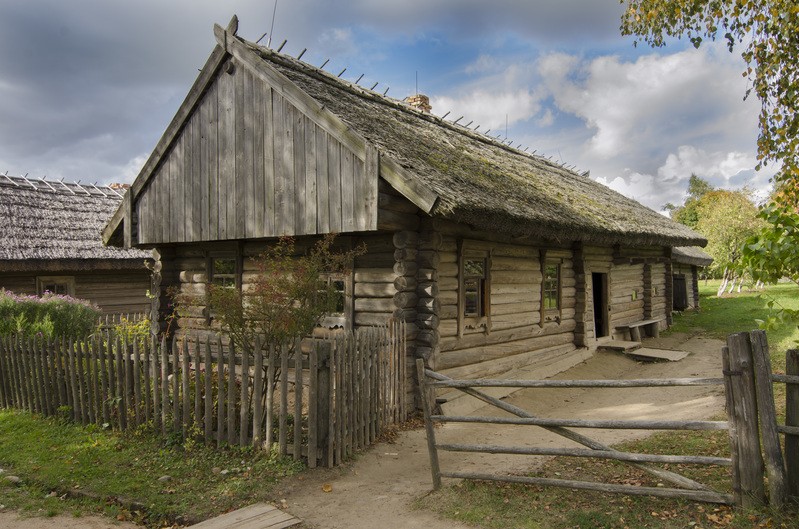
(474,276)
(337,318)
(223,272)
(59,285)
(551,287)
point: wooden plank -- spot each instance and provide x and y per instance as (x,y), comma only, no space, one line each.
(257,395)
(425,397)
(192,192)
(322,189)
(284,400)
(208,392)
(156,374)
(164,387)
(313,405)
(243,153)
(297,423)
(742,414)
(211,163)
(300,204)
(348,163)
(256,516)
(146,355)
(231,395)
(270,169)
(244,407)
(767,415)
(334,184)
(226,153)
(792,420)
(220,393)
(185,383)
(198,407)
(178,179)
(137,398)
(176,383)
(310,202)
(258,205)
(270,395)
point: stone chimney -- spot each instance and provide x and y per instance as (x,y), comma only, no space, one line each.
(419,102)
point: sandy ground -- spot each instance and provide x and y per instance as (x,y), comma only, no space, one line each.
(378,488)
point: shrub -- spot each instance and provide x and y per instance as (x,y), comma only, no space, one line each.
(50,315)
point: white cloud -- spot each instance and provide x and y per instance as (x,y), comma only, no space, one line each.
(489,108)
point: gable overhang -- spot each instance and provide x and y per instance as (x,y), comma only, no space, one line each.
(119,230)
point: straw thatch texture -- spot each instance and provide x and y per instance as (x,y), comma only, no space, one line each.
(691,255)
(45,222)
(482,182)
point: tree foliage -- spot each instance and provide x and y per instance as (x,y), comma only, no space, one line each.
(726,218)
(773,253)
(49,316)
(768,32)
(688,213)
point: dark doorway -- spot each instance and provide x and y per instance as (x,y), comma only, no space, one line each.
(680,292)
(600,289)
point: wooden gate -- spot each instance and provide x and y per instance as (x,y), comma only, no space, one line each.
(747,382)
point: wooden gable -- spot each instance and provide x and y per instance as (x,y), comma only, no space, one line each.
(250,162)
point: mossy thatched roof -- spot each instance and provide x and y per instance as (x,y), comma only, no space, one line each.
(50,221)
(479,180)
(691,255)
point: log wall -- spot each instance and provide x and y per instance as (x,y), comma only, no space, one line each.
(114,292)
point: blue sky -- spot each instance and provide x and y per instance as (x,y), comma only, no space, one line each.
(87,87)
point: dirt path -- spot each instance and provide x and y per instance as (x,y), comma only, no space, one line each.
(378,489)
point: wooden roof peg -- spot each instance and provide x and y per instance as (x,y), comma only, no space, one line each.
(299,57)
(260,38)
(10,180)
(67,187)
(445,115)
(373,86)
(233,25)
(467,125)
(324,63)
(358,80)
(457,120)
(341,72)
(486,132)
(29,182)
(45,182)
(477,127)
(384,93)
(94,185)
(83,188)
(281,45)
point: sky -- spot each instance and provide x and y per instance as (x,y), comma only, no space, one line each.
(87,87)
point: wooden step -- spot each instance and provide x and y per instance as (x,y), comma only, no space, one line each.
(618,346)
(645,353)
(257,516)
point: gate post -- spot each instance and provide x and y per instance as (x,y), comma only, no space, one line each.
(775,467)
(428,424)
(323,409)
(739,382)
(792,419)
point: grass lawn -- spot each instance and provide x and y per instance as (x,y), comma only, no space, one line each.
(502,506)
(69,468)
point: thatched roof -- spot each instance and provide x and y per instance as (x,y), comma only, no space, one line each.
(691,255)
(481,181)
(48,221)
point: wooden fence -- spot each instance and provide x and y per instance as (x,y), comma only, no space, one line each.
(747,382)
(330,397)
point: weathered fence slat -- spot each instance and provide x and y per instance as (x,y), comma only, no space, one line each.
(792,420)
(744,409)
(429,429)
(347,379)
(587,423)
(775,467)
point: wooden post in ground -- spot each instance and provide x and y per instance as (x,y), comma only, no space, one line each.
(322,399)
(767,413)
(428,424)
(792,419)
(743,414)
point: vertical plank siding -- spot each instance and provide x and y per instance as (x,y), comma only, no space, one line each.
(250,164)
(352,376)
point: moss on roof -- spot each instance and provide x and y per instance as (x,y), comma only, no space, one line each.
(480,181)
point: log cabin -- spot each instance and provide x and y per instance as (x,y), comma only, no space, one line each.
(687,260)
(501,261)
(50,240)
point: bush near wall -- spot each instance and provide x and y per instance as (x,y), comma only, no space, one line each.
(49,316)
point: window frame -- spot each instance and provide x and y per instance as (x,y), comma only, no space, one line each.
(473,251)
(236,255)
(67,281)
(551,314)
(339,320)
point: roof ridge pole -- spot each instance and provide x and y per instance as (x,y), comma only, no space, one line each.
(10,180)
(44,180)
(83,188)
(94,185)
(67,187)
(29,182)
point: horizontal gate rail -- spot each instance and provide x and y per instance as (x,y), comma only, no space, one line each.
(585,452)
(632,383)
(586,423)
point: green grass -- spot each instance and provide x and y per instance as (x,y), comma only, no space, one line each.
(56,460)
(501,506)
